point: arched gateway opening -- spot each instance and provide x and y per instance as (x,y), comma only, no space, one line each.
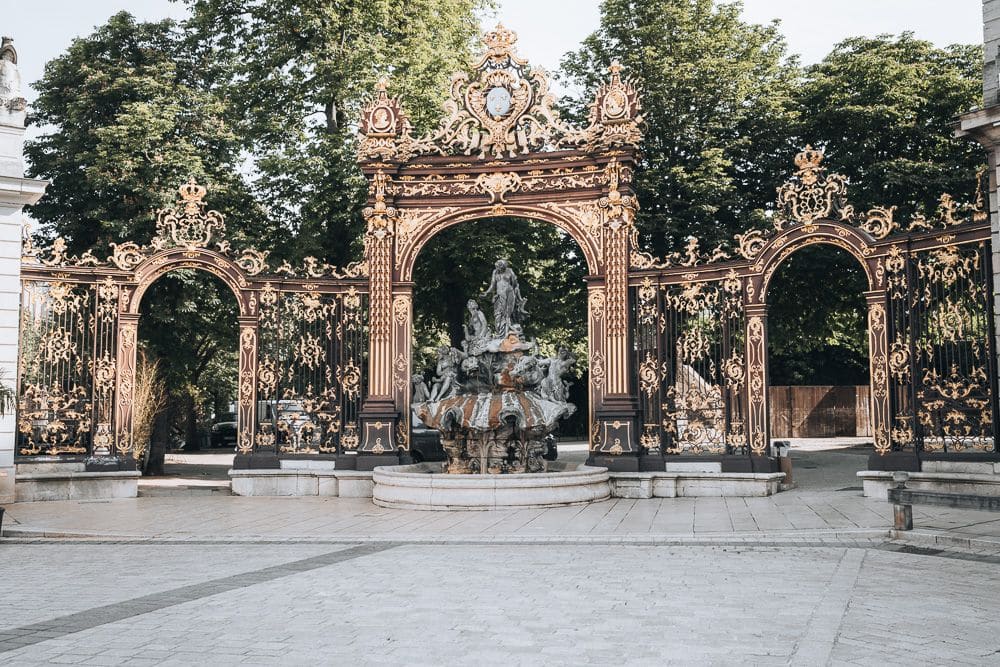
(819,365)
(454,269)
(187,379)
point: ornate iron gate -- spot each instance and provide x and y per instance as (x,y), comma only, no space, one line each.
(701,326)
(302,342)
(678,355)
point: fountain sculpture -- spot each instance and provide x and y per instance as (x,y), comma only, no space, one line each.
(495,400)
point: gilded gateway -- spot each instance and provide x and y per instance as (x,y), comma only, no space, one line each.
(677,345)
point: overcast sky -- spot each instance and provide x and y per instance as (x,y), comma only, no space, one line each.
(42,29)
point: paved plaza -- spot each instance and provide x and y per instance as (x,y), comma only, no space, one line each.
(810,576)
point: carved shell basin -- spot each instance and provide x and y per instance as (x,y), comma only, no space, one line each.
(487,412)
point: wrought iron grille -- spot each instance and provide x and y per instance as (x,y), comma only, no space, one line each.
(941,362)
(690,355)
(311,375)
(66,373)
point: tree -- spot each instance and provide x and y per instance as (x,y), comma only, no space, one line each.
(716,97)
(884,108)
(826,342)
(129,114)
(298,73)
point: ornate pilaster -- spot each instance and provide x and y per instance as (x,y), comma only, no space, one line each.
(380,412)
(125,396)
(616,426)
(402,335)
(878,356)
(758,431)
(246,416)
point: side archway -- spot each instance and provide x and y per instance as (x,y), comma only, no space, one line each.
(860,245)
(779,248)
(144,275)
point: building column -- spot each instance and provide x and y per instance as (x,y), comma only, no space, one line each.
(983,126)
(16,192)
(616,443)
(379,412)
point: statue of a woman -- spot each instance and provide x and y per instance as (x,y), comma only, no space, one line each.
(477,331)
(508,306)
(11,101)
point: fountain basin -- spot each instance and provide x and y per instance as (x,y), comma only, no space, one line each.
(423,486)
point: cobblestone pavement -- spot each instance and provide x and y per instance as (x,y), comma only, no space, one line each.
(178,603)
(811,576)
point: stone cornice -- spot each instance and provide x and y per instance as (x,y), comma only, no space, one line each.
(21,191)
(982,125)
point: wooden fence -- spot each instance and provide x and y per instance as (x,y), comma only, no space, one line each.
(820,412)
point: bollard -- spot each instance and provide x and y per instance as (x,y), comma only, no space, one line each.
(902,516)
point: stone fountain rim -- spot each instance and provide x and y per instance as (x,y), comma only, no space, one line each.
(411,487)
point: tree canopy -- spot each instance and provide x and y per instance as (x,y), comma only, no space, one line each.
(884,108)
(716,95)
(258,99)
(129,114)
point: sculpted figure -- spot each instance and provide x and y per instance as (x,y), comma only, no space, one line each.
(420,392)
(477,331)
(508,306)
(446,382)
(11,101)
(553,388)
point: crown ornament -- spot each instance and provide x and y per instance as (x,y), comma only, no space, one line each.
(808,161)
(192,195)
(500,41)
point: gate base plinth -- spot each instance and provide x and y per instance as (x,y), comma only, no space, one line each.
(71,481)
(652,463)
(258,461)
(372,461)
(621,463)
(907,461)
(641,485)
(301,481)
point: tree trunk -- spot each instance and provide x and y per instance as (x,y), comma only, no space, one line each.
(191,440)
(158,444)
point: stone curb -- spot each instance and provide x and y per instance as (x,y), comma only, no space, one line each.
(942,540)
(749,539)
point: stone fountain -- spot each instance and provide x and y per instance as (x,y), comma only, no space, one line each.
(494,402)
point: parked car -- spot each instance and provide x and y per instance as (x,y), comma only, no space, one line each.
(224,430)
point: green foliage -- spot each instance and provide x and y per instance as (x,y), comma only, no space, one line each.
(716,94)
(884,108)
(297,74)
(129,116)
(817,319)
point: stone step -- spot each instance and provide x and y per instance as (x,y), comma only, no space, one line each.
(151,490)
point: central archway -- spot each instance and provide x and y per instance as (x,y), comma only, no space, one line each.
(454,268)
(487,163)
